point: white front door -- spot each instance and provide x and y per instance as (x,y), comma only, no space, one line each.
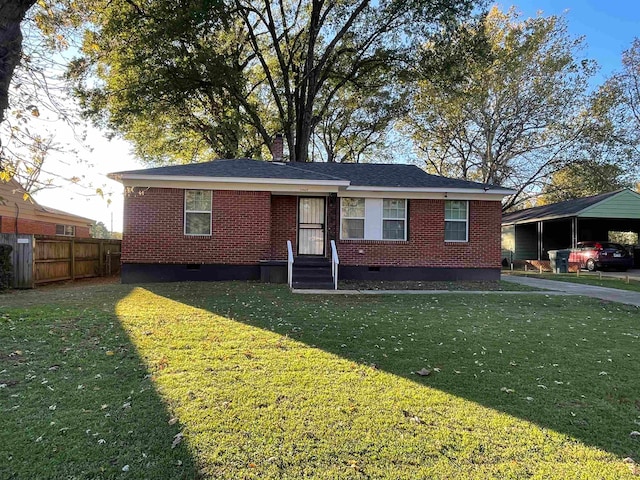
(311,226)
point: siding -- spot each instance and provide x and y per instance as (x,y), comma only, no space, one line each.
(626,204)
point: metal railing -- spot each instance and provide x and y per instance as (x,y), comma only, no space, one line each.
(289,263)
(335,261)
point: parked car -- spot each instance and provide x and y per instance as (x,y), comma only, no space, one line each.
(601,255)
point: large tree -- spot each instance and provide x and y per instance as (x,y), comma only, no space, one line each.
(583,179)
(194,79)
(509,111)
(12,12)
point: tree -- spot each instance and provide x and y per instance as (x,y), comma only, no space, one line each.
(616,110)
(583,179)
(198,79)
(505,106)
(12,12)
(37,105)
(99,230)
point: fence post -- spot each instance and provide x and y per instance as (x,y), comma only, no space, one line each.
(72,246)
(101,261)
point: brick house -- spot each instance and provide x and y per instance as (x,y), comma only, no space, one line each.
(231,219)
(25,216)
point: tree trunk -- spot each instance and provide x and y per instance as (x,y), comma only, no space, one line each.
(12,13)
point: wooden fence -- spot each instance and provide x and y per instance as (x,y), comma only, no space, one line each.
(43,259)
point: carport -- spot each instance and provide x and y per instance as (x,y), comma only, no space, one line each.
(530,234)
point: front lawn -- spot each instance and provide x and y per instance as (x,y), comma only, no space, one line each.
(236,380)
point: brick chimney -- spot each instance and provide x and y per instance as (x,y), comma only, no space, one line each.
(277,148)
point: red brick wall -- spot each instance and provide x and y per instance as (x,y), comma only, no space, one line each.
(426,246)
(34,227)
(154,228)
(284,211)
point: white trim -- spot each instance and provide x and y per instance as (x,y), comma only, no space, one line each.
(457,220)
(198,179)
(490,191)
(404,238)
(374,220)
(484,197)
(364,220)
(210,212)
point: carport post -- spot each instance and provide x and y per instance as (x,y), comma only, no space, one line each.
(540,246)
(574,232)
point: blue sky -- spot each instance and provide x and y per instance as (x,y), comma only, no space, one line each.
(609,26)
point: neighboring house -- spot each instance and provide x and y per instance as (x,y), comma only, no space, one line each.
(231,219)
(530,234)
(24,216)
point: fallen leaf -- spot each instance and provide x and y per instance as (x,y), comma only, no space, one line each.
(424,372)
(176,440)
(173,420)
(412,418)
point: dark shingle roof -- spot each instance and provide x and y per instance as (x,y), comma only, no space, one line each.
(359,174)
(386,175)
(568,208)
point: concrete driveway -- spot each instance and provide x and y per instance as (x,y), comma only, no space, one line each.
(603,293)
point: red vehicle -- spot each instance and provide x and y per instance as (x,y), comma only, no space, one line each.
(601,255)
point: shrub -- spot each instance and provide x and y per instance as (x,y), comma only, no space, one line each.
(6,267)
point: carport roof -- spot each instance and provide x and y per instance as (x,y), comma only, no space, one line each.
(581,207)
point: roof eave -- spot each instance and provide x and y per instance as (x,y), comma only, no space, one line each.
(488,191)
(126,178)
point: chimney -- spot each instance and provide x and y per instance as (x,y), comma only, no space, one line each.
(277,148)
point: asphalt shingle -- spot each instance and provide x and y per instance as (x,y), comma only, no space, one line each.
(359,174)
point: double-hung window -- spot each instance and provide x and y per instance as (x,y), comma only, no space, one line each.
(394,219)
(352,218)
(197,212)
(373,219)
(456,221)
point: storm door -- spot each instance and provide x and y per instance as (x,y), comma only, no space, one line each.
(311,226)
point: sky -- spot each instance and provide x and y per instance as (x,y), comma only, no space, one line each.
(609,27)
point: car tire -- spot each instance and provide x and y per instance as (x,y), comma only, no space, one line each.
(591,265)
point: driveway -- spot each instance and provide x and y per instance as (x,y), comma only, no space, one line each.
(603,293)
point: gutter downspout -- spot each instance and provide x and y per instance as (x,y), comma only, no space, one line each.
(17,215)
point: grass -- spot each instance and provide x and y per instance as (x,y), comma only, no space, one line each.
(438,285)
(586,279)
(265,384)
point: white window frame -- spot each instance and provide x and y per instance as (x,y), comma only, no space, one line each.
(65,229)
(374,219)
(210,212)
(363,218)
(404,235)
(465,220)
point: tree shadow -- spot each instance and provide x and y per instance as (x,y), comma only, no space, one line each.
(566,364)
(78,400)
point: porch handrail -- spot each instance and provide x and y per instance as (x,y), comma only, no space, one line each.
(289,263)
(335,261)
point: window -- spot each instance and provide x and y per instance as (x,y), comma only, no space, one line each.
(66,230)
(373,219)
(352,218)
(456,220)
(197,212)
(394,215)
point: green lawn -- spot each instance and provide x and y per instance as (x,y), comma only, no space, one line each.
(265,384)
(586,279)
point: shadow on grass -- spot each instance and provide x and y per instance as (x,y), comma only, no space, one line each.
(566,364)
(77,400)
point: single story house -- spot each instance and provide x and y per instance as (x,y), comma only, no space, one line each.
(231,219)
(529,234)
(23,215)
